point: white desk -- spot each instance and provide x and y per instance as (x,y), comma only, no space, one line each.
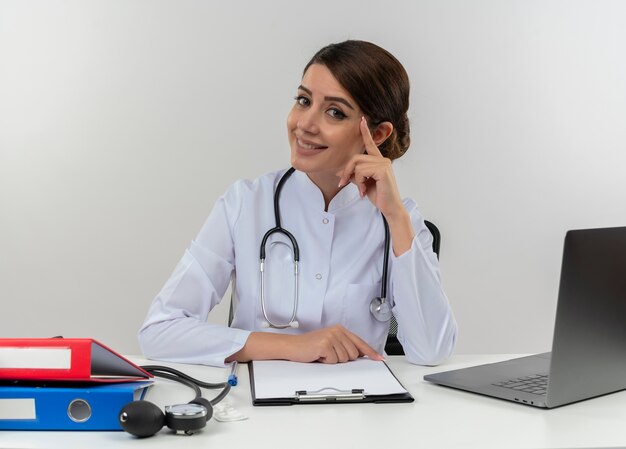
(439,418)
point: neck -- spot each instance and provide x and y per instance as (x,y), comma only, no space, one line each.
(328,185)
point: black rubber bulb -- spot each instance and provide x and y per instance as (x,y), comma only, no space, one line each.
(141,418)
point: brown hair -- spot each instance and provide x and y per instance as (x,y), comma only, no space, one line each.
(377,82)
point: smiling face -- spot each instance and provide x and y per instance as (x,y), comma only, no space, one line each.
(323,125)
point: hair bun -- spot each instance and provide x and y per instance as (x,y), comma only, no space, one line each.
(399,140)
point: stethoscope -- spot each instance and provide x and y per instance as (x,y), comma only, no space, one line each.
(379,307)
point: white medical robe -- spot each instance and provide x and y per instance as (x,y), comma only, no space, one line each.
(341,259)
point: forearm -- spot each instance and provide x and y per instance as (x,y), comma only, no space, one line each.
(188,340)
(401,231)
(427,328)
(264,346)
(428,339)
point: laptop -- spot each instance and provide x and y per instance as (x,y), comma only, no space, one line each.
(588,356)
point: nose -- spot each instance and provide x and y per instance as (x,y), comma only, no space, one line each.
(307,121)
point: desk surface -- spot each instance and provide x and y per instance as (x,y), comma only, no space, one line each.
(439,418)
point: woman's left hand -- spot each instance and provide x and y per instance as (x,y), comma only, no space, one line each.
(373,175)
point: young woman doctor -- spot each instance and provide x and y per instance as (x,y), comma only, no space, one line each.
(347,123)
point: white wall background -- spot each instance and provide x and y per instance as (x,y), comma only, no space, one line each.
(121,122)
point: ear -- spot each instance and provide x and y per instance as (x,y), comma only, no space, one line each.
(381,132)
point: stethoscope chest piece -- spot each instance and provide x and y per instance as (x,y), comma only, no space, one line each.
(381,310)
(186,419)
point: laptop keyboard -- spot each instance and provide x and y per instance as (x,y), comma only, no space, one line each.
(536,384)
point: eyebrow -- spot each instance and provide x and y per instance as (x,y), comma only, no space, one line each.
(336,99)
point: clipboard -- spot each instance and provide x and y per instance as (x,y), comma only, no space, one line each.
(280,382)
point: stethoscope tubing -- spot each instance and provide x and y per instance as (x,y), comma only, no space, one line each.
(278,229)
(383,287)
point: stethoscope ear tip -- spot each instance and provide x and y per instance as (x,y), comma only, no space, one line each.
(265,324)
(295,324)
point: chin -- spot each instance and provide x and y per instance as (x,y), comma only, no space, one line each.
(308,163)
(304,165)
(300,163)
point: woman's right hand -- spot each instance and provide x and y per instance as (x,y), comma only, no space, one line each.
(334,344)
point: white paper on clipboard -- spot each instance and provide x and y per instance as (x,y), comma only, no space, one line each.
(282,379)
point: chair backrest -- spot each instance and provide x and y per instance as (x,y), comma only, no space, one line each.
(393,346)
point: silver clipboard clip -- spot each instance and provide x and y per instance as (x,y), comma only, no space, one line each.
(330,394)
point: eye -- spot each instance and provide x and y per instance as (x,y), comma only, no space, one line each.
(336,113)
(301,100)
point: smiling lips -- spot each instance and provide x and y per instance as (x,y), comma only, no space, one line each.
(310,145)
